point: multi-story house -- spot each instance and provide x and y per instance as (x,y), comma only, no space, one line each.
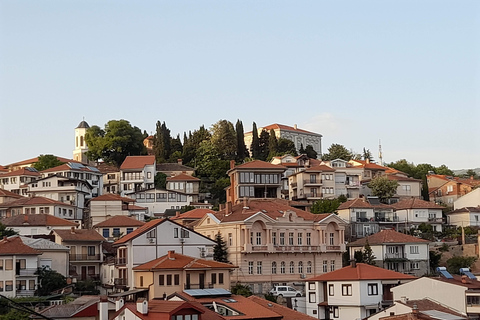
(36,205)
(299,137)
(111,178)
(109,205)
(460,293)
(71,191)
(370,170)
(254,179)
(274,243)
(366,216)
(464,217)
(37,224)
(184,183)
(312,184)
(153,240)
(347,178)
(396,251)
(445,190)
(18,266)
(178,272)
(53,255)
(7,196)
(117,226)
(16,181)
(85,252)
(137,173)
(407,187)
(413,212)
(174,169)
(353,292)
(158,201)
(471,199)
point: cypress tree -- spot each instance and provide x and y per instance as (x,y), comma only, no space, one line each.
(242,151)
(255,148)
(220,253)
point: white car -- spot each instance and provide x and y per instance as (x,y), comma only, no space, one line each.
(285,291)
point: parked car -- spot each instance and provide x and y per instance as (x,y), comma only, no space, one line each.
(285,291)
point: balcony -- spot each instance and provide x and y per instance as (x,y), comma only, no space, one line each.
(120,261)
(397,255)
(293,184)
(296,248)
(386,219)
(310,182)
(313,195)
(438,220)
(259,248)
(84,257)
(26,272)
(352,184)
(332,248)
(25,293)
(198,286)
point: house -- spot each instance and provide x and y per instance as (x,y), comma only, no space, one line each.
(443,189)
(274,243)
(117,226)
(111,178)
(7,196)
(414,211)
(464,217)
(53,255)
(174,169)
(160,201)
(137,173)
(84,307)
(353,292)
(191,216)
(176,272)
(30,162)
(312,184)
(458,293)
(298,136)
(407,187)
(370,170)
(18,265)
(254,179)
(85,252)
(16,181)
(367,216)
(154,239)
(110,205)
(396,251)
(471,199)
(37,224)
(37,205)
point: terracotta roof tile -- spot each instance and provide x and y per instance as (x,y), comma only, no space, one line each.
(79,235)
(147,226)
(32,201)
(387,236)
(6,193)
(120,221)
(194,214)
(320,168)
(287,313)
(465,209)
(22,172)
(180,261)
(427,304)
(14,245)
(33,160)
(183,177)
(361,203)
(166,167)
(402,178)
(137,162)
(362,271)
(42,219)
(112,197)
(259,164)
(414,203)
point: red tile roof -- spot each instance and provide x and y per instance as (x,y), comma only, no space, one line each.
(427,304)
(414,203)
(22,172)
(147,226)
(465,209)
(67,167)
(37,220)
(179,261)
(320,168)
(79,235)
(137,162)
(15,246)
(287,313)
(120,221)
(387,236)
(362,271)
(32,201)
(368,165)
(33,160)
(259,164)
(402,178)
(183,177)
(112,197)
(6,193)
(194,214)
(361,203)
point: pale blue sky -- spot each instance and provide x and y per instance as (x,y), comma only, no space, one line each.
(405,72)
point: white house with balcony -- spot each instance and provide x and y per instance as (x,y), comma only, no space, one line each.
(110,205)
(353,292)
(464,217)
(412,212)
(137,173)
(16,181)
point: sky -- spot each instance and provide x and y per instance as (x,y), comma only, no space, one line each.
(406,73)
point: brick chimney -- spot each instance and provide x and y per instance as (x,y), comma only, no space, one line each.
(170,254)
(232,164)
(353,263)
(177,214)
(179,161)
(228,207)
(72,230)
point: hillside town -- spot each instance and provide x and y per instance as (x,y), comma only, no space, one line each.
(227,224)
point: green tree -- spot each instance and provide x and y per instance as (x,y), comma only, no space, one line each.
(367,155)
(444,170)
(368,256)
(49,280)
(434,258)
(160,180)
(454,264)
(337,151)
(224,139)
(310,152)
(255,147)
(383,188)
(285,146)
(210,165)
(471,173)
(325,206)
(162,142)
(6,232)
(272,145)
(242,290)
(176,146)
(220,252)
(47,161)
(358,256)
(118,140)
(263,140)
(217,190)
(242,151)
(302,149)
(192,144)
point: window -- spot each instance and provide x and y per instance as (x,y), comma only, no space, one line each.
(331,291)
(282,238)
(300,267)
(372,289)
(176,279)
(414,265)
(106,233)
(473,301)
(230,239)
(332,265)
(292,267)
(9,264)
(259,238)
(346,289)
(414,249)
(152,233)
(282,267)
(274,238)
(332,238)
(169,279)
(259,267)
(309,239)
(251,237)
(141,281)
(406,188)
(129,230)
(299,238)
(250,267)
(161,279)
(175,232)
(334,310)
(1,264)
(1,286)
(213,277)
(8,285)
(220,278)
(309,266)
(325,266)
(290,238)
(116,232)
(311,297)
(91,250)
(274,267)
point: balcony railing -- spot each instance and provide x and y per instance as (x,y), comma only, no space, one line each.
(259,248)
(198,286)
(26,272)
(333,248)
(435,219)
(120,282)
(121,261)
(84,257)
(312,181)
(398,255)
(293,184)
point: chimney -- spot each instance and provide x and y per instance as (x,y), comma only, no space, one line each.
(221,206)
(228,207)
(177,214)
(295,126)
(404,299)
(142,306)
(72,230)
(170,254)
(179,161)
(415,309)
(353,263)
(464,279)
(368,160)
(119,304)
(232,164)
(103,308)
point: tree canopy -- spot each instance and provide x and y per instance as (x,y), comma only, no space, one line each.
(326,205)
(383,188)
(337,151)
(47,161)
(224,139)
(220,253)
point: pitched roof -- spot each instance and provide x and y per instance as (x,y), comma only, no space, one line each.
(79,235)
(174,260)
(72,166)
(119,221)
(362,271)
(387,236)
(320,168)
(83,124)
(41,219)
(32,201)
(285,128)
(259,164)
(287,313)
(112,197)
(368,165)
(6,193)
(26,171)
(414,203)
(273,208)
(470,182)
(428,305)
(137,162)
(107,168)
(194,214)
(183,177)
(147,226)
(43,244)
(33,160)
(465,209)
(15,245)
(361,203)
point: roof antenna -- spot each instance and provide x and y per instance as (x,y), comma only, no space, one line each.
(380,157)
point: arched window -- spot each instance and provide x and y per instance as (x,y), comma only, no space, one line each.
(300,267)
(282,267)
(81,141)
(309,266)
(76,142)
(292,267)
(274,267)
